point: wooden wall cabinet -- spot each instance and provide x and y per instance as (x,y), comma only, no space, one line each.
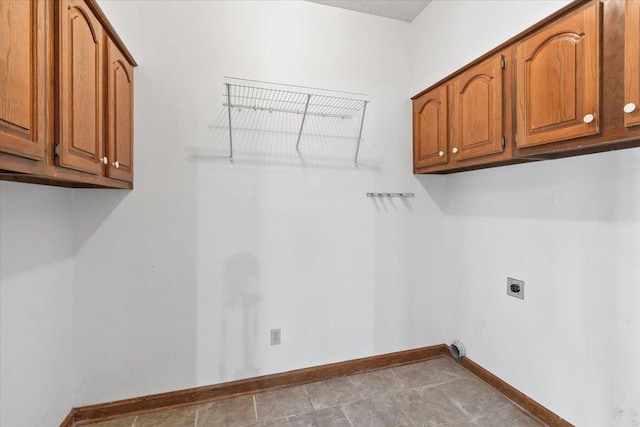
(23,78)
(466,121)
(564,91)
(80,89)
(481,110)
(69,91)
(430,128)
(119,115)
(558,80)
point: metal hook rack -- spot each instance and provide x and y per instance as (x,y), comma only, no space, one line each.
(391,195)
(275,97)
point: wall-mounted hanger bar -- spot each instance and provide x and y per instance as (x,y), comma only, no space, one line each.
(391,195)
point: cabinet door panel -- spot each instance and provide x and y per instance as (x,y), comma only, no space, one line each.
(22,78)
(477,122)
(430,128)
(80,90)
(632,61)
(120,115)
(558,80)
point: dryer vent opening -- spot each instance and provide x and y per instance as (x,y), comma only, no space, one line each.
(457,349)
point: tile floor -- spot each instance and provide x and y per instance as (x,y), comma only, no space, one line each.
(437,392)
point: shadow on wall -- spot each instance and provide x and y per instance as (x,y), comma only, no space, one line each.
(241,297)
(435,187)
(270,138)
(387,204)
(30,215)
(92,208)
(596,187)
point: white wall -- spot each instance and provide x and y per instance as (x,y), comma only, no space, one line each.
(36,297)
(178,282)
(570,228)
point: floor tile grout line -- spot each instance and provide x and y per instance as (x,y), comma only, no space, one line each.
(255,407)
(346,415)
(395,375)
(502,408)
(195,422)
(402,410)
(355,387)
(510,402)
(455,422)
(340,404)
(464,411)
(434,387)
(456,404)
(306,394)
(313,408)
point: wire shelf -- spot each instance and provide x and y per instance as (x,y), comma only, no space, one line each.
(282,98)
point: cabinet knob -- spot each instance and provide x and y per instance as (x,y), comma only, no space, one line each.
(455,150)
(104,160)
(630,107)
(441,153)
(588,118)
(116,164)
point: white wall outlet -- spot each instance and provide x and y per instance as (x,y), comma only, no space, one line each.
(275,336)
(515,288)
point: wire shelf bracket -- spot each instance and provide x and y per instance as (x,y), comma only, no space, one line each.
(275,97)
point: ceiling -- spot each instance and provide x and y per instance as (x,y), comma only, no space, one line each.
(403,10)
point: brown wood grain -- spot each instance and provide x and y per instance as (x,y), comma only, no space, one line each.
(69,420)
(632,61)
(119,114)
(22,78)
(575,4)
(18,169)
(186,397)
(478,105)
(18,163)
(530,406)
(558,79)
(430,130)
(80,95)
(612,134)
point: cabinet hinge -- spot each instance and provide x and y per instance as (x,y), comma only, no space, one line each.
(503,62)
(515,138)
(56,150)
(504,141)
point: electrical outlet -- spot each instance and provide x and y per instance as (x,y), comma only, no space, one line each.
(515,288)
(275,336)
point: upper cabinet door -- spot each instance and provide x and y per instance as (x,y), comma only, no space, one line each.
(80,93)
(120,114)
(632,64)
(22,78)
(478,110)
(430,128)
(558,79)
